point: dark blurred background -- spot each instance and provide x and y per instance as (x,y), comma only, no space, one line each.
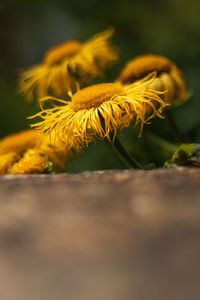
(170,28)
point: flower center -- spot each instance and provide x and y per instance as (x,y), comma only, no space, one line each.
(143,65)
(95,95)
(65,50)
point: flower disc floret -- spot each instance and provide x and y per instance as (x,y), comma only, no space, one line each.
(65,50)
(94,96)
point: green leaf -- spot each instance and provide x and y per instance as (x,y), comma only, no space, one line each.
(186,154)
(169,164)
(183,152)
(150,166)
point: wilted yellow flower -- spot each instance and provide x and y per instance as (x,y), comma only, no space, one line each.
(6,161)
(56,152)
(67,65)
(30,152)
(169,77)
(32,162)
(98,111)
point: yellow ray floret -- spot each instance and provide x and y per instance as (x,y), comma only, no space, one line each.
(169,77)
(6,162)
(67,65)
(99,110)
(30,152)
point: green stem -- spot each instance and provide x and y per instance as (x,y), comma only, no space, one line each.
(123,154)
(175,129)
(119,149)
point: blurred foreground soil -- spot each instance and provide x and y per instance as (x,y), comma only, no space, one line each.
(110,235)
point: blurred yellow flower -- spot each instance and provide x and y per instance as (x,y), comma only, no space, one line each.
(6,161)
(32,162)
(98,111)
(169,77)
(67,65)
(30,152)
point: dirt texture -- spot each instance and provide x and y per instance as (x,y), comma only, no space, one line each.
(107,235)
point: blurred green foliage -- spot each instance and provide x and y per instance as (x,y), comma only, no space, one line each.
(185,155)
(170,28)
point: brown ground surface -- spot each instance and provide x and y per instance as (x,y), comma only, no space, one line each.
(113,235)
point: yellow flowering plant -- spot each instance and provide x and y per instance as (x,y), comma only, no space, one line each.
(169,78)
(68,65)
(30,152)
(144,88)
(100,111)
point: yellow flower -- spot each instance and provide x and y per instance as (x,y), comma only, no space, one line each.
(30,152)
(32,162)
(6,161)
(20,141)
(67,65)
(169,77)
(99,111)
(56,152)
